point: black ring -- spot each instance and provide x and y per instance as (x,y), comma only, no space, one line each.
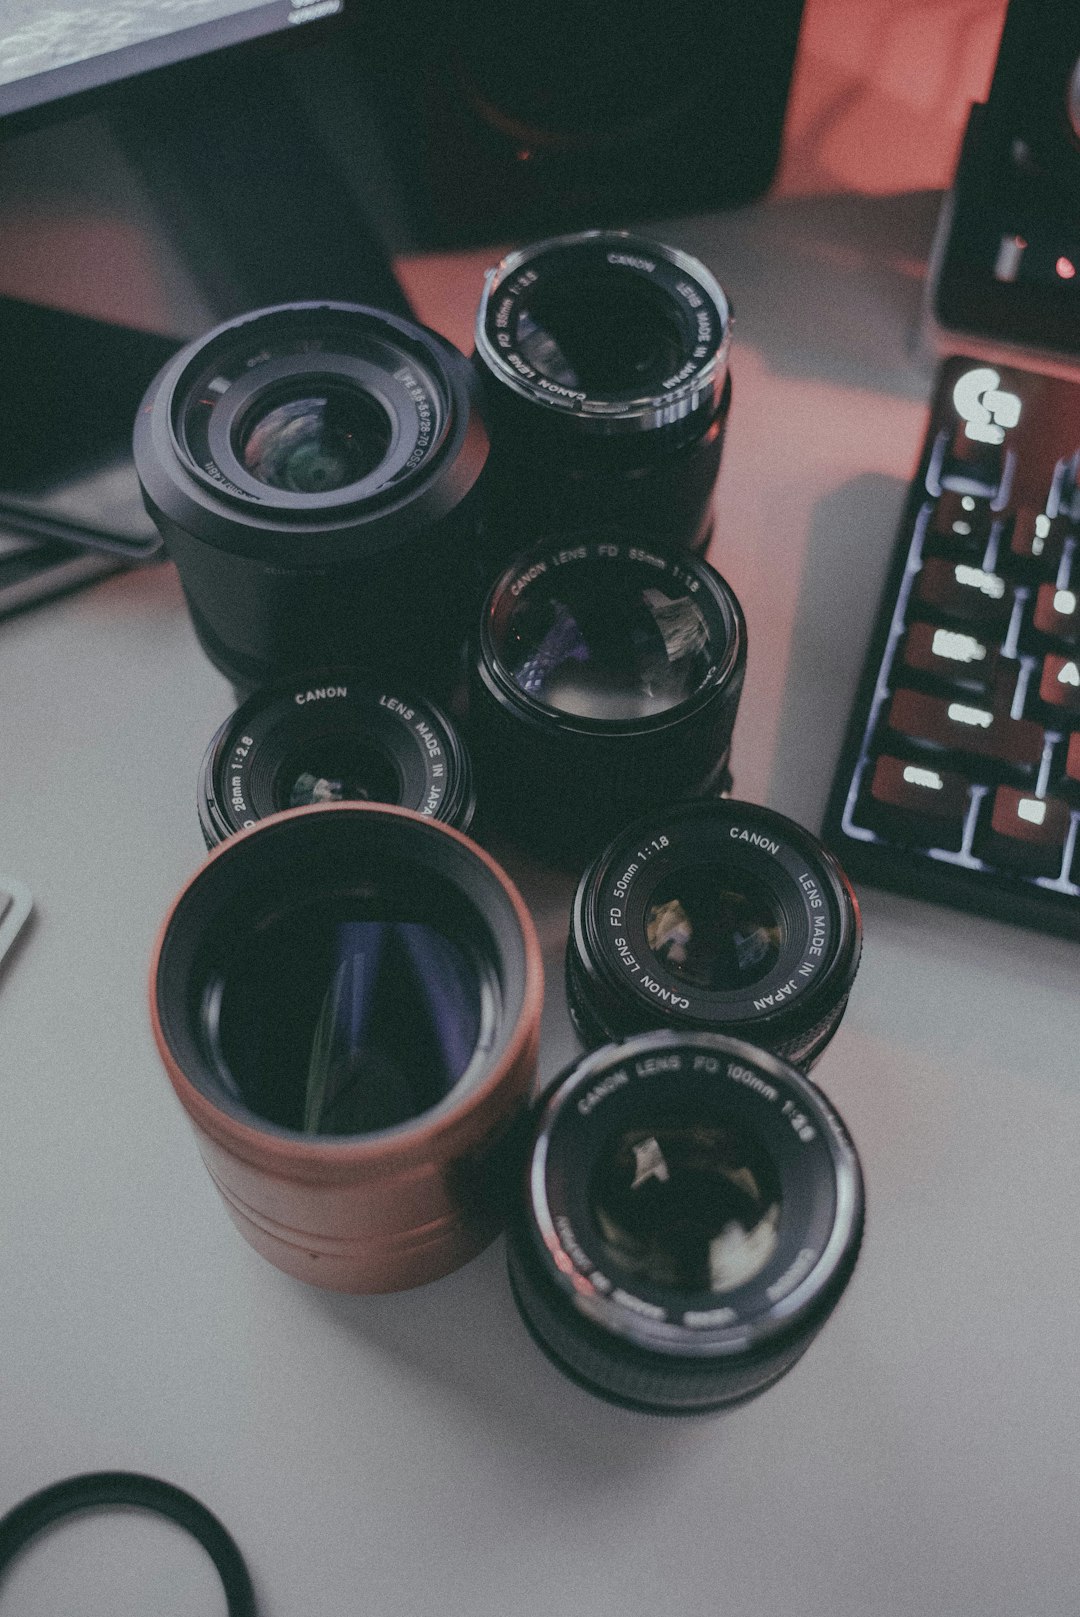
(97,1488)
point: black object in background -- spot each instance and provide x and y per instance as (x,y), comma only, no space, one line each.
(566,113)
(959,780)
(1011,263)
(97,1490)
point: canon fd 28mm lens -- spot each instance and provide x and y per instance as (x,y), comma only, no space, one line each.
(340,736)
(605,363)
(311,468)
(691,1210)
(714,915)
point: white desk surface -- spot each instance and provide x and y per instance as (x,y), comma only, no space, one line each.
(416,1454)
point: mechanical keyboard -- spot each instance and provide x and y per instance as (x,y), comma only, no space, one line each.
(959,780)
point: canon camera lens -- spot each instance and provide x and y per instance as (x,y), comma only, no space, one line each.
(605,363)
(337,738)
(720,916)
(692,1210)
(606,678)
(311,468)
(347,1001)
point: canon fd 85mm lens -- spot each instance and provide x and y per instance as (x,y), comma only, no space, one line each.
(714,915)
(311,468)
(606,679)
(605,363)
(692,1210)
(341,736)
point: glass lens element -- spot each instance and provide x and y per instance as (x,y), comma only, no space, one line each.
(714,928)
(610,336)
(330,437)
(687,1205)
(342,1024)
(338,770)
(606,642)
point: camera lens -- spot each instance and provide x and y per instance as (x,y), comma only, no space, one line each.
(606,679)
(719,916)
(347,999)
(337,737)
(311,469)
(692,1212)
(604,359)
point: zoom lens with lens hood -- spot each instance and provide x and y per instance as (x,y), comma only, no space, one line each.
(720,916)
(336,737)
(347,1001)
(605,363)
(311,468)
(606,679)
(692,1212)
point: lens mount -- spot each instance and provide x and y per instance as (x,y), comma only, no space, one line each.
(335,736)
(714,915)
(341,962)
(692,1211)
(609,332)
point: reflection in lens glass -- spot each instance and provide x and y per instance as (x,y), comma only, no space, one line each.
(344,1024)
(607,645)
(687,1205)
(337,770)
(609,336)
(331,437)
(713,928)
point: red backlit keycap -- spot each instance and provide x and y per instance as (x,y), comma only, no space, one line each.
(1059,684)
(1033,546)
(968,729)
(972,464)
(959,525)
(962,591)
(1057,613)
(952,657)
(915,803)
(1024,833)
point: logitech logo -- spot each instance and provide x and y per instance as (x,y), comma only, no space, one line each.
(985,408)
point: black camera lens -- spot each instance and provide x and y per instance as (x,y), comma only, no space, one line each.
(719,916)
(338,737)
(604,358)
(692,1212)
(311,468)
(606,679)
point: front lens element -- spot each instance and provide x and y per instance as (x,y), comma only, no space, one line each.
(714,927)
(607,640)
(327,439)
(338,1023)
(687,1205)
(607,336)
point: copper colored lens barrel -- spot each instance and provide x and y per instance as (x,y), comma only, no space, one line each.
(393,1206)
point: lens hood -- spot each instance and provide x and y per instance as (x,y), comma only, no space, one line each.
(346,999)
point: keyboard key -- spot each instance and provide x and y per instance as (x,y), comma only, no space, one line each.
(913,803)
(1065,774)
(950,657)
(965,593)
(966,730)
(1033,545)
(1059,685)
(1023,833)
(971,465)
(959,526)
(1057,613)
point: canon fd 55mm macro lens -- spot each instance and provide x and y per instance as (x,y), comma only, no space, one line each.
(606,678)
(714,915)
(311,469)
(691,1212)
(605,363)
(340,736)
